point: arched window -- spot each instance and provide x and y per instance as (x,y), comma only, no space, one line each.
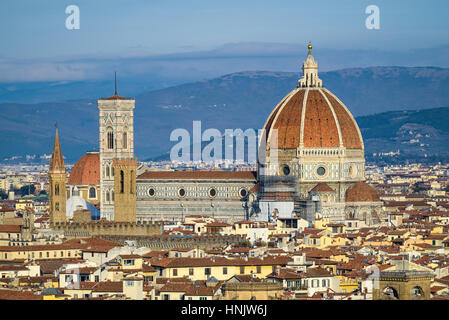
(57,190)
(112,192)
(112,170)
(122,181)
(108,197)
(107,170)
(92,193)
(57,206)
(131,182)
(110,136)
(125,140)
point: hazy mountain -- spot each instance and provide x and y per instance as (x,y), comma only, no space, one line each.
(239,100)
(87,77)
(417,134)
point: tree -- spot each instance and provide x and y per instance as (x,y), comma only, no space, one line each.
(27,190)
(418,187)
(3,195)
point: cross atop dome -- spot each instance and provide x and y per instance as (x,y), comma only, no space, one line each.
(310,72)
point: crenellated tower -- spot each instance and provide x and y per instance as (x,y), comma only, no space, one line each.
(125,189)
(57,179)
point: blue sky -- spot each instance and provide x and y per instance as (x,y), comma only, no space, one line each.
(34,30)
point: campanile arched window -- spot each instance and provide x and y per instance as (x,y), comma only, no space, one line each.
(110,138)
(125,140)
(57,190)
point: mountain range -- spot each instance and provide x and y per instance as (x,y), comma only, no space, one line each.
(244,100)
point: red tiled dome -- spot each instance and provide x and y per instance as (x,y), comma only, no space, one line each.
(315,117)
(361,192)
(86,170)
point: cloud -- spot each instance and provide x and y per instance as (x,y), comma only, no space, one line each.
(228,58)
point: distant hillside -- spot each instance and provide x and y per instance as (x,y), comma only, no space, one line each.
(242,100)
(419,134)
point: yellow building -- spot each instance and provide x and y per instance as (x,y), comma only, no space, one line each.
(347,284)
(40,252)
(22,204)
(219,268)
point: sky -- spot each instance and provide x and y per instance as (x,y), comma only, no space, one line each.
(35,38)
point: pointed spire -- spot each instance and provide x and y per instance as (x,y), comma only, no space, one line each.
(57,160)
(115,79)
(310,71)
(115,96)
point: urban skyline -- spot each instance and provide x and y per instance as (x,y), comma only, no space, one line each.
(261,185)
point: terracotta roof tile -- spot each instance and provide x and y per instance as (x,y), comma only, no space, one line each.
(9,228)
(361,192)
(322,187)
(319,123)
(86,171)
(348,126)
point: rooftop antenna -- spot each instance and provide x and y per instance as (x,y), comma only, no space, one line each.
(115,77)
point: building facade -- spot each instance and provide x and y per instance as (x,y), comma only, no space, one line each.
(172,195)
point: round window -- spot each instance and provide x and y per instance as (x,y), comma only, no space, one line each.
(243,193)
(321,171)
(151,192)
(212,192)
(181,192)
(286,170)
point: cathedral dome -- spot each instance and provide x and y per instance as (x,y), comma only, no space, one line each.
(361,192)
(86,171)
(312,117)
(76,202)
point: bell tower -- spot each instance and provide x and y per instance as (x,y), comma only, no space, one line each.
(125,189)
(116,140)
(57,180)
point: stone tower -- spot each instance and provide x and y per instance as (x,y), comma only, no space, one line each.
(57,179)
(116,140)
(403,285)
(125,189)
(28,225)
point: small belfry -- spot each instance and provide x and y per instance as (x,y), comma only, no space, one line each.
(57,178)
(310,72)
